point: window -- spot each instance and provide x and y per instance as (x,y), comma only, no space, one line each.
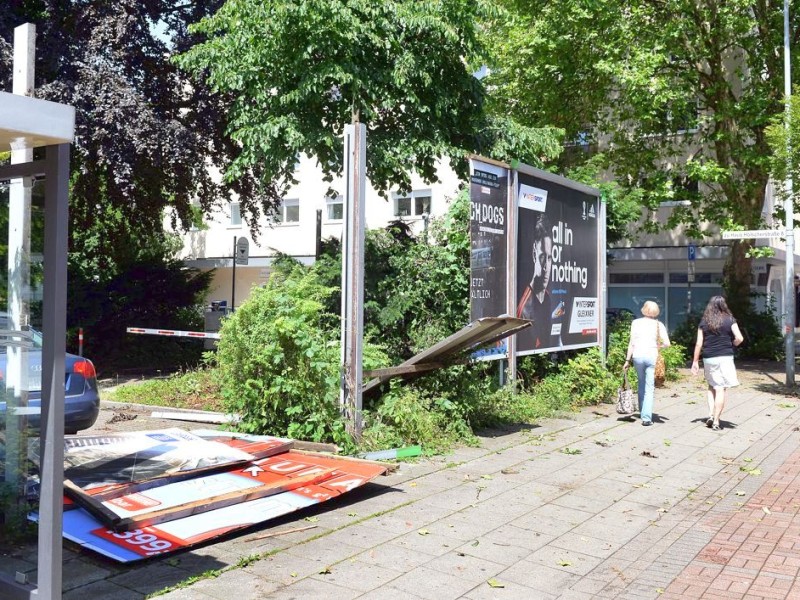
(236,216)
(335,208)
(637,278)
(415,204)
(290,211)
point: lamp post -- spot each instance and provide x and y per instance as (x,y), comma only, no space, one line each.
(789,293)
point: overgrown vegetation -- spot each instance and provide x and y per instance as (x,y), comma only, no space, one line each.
(277,361)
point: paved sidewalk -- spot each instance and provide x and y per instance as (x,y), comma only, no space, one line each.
(586,506)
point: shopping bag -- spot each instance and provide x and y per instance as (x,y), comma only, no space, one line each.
(626,404)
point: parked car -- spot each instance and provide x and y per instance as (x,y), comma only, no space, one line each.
(81,394)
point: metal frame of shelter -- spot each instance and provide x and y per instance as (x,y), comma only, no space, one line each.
(27,123)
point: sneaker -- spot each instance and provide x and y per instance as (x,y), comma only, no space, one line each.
(647,423)
(709,421)
(716,427)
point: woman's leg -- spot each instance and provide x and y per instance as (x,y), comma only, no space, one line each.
(645,370)
(719,403)
(710,400)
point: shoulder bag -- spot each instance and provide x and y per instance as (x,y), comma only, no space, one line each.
(661,365)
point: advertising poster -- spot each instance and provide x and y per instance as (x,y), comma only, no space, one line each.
(488,236)
(557,264)
(488,248)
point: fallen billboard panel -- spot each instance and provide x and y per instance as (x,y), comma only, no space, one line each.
(172,516)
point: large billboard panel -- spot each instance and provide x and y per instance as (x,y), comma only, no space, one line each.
(558,263)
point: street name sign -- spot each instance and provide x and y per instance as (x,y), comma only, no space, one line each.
(753,234)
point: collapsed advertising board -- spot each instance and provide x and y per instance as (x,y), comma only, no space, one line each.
(558,262)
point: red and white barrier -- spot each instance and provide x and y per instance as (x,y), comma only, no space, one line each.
(174,333)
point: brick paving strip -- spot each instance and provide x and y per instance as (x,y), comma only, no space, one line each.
(717,543)
(756,552)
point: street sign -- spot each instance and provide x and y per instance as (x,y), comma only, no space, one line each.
(753,234)
(242,251)
(692,252)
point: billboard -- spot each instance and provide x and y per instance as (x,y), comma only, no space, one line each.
(558,262)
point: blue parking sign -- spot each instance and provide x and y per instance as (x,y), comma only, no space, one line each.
(692,252)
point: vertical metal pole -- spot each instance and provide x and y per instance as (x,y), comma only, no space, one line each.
(318,246)
(54,318)
(789,293)
(511,270)
(355,142)
(603,277)
(233,277)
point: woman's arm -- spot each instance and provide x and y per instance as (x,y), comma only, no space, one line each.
(629,354)
(663,335)
(737,335)
(698,347)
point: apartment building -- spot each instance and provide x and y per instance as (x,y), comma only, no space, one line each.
(307,212)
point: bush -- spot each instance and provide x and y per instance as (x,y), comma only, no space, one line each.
(278,365)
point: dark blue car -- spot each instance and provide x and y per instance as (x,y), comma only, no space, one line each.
(81,395)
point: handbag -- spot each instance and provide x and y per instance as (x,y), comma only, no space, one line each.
(660,374)
(626,405)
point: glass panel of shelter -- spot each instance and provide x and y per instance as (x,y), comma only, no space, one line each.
(21,285)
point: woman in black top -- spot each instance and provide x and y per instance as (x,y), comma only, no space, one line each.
(717,335)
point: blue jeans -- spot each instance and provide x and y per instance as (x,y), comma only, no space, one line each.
(645,370)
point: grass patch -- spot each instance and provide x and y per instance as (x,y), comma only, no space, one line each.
(196,390)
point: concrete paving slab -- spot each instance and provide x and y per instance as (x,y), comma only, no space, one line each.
(433,584)
(358,575)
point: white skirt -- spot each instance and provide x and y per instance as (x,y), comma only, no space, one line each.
(720,372)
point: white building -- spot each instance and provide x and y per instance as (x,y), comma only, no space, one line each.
(296,233)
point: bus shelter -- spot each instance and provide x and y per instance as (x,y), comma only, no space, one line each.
(37,135)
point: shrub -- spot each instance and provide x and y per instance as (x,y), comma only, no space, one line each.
(278,364)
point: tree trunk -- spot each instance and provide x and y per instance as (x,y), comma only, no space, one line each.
(737,277)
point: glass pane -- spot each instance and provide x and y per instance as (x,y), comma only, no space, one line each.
(292,214)
(335,210)
(698,278)
(633,298)
(21,285)
(679,302)
(236,216)
(636,278)
(402,207)
(422,205)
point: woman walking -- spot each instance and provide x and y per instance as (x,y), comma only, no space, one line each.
(717,335)
(648,335)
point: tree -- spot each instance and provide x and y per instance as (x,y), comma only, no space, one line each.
(146,139)
(678,91)
(298,72)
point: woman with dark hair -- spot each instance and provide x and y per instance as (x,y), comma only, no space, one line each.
(717,335)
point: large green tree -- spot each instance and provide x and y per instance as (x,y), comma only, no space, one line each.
(146,138)
(299,71)
(675,92)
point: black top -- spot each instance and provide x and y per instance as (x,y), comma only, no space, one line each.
(719,343)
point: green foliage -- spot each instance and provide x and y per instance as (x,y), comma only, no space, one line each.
(666,87)
(278,362)
(196,389)
(150,291)
(297,72)
(14,524)
(407,416)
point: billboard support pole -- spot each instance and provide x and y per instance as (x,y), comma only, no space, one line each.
(355,143)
